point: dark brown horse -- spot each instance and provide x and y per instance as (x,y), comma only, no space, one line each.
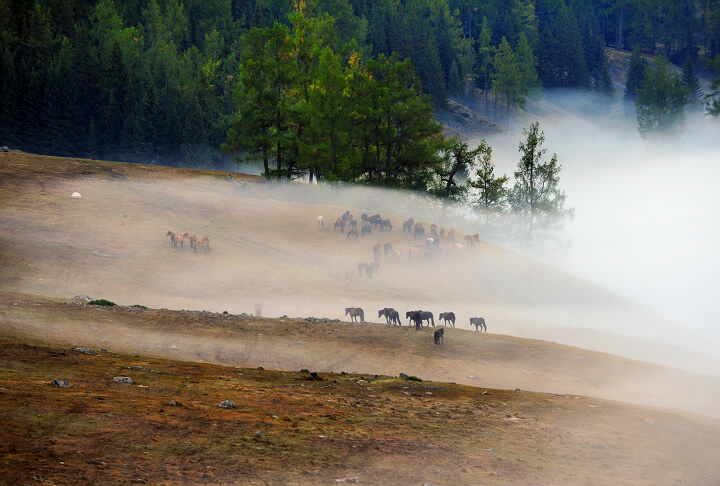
(354,313)
(353,233)
(447,316)
(386,312)
(439,336)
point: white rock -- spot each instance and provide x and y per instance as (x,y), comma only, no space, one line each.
(76,195)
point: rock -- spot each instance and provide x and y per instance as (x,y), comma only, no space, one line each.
(61,383)
(85,351)
(84,298)
(75,195)
(173,403)
(403,375)
(348,480)
(304,370)
(98,254)
(486,392)
(123,380)
(4,149)
(227,404)
(257,434)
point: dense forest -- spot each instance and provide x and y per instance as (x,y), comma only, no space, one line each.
(168,81)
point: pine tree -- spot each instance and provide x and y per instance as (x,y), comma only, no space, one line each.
(526,66)
(692,81)
(661,100)
(635,74)
(486,52)
(605,85)
(507,80)
(492,193)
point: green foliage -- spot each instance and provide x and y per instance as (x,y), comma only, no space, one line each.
(691,80)
(536,196)
(492,193)
(413,378)
(661,100)
(635,75)
(104,302)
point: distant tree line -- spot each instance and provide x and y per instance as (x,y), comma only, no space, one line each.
(155,80)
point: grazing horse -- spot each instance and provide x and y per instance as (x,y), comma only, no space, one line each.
(407,227)
(419,231)
(352,234)
(385,224)
(366,230)
(355,312)
(472,240)
(414,316)
(353,224)
(386,312)
(439,336)
(204,244)
(339,224)
(434,230)
(387,249)
(478,322)
(447,316)
(321,222)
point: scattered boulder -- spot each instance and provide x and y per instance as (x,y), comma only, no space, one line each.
(257,434)
(123,380)
(4,149)
(227,404)
(98,254)
(173,403)
(348,480)
(61,383)
(85,351)
(84,298)
(76,195)
(403,375)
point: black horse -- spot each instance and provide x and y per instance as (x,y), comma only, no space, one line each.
(478,322)
(354,313)
(447,316)
(439,336)
(386,312)
(395,318)
(418,316)
(366,229)
(419,232)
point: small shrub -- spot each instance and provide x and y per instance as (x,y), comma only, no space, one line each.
(138,306)
(101,302)
(413,378)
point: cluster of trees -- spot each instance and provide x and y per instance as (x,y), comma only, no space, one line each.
(534,201)
(310,104)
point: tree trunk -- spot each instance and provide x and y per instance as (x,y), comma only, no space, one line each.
(266,165)
(618,44)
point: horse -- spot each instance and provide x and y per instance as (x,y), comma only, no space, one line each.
(172,238)
(355,312)
(451,234)
(478,322)
(419,231)
(345,216)
(447,316)
(413,252)
(414,316)
(352,233)
(386,312)
(339,224)
(385,224)
(372,268)
(193,240)
(387,249)
(360,268)
(366,230)
(472,240)
(395,318)
(427,316)
(353,224)
(457,247)
(177,238)
(439,336)
(407,227)
(442,232)
(396,254)
(321,222)
(351,217)
(434,230)
(376,252)
(429,241)
(204,243)
(364,218)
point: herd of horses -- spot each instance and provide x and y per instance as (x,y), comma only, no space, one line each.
(415,317)
(195,243)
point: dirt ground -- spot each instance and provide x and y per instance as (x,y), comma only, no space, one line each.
(268,250)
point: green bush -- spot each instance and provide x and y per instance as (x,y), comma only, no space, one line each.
(102,302)
(138,306)
(413,378)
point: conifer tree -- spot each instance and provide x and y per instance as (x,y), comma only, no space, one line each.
(661,100)
(692,81)
(635,74)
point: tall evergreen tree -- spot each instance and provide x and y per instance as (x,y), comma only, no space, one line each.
(660,105)
(635,74)
(692,81)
